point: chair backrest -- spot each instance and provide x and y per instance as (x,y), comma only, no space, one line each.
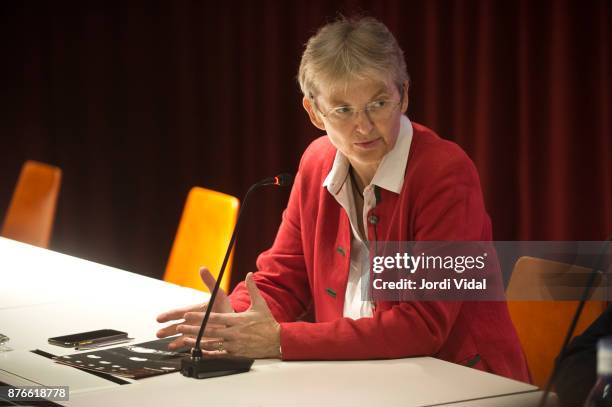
(203,234)
(542,325)
(31,211)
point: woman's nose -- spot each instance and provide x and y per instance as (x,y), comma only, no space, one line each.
(363,122)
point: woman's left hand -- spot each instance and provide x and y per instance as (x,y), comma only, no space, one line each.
(253,333)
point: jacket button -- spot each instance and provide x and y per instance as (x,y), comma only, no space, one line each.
(373,219)
(340,250)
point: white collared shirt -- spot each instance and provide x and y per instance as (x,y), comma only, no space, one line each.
(390,176)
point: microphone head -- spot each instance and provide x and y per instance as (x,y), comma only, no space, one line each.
(283,180)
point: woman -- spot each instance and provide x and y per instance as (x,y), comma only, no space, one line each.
(375,176)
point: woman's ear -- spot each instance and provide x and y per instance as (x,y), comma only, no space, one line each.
(405,87)
(314,117)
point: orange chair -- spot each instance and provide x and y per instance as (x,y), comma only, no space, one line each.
(203,234)
(542,325)
(30,215)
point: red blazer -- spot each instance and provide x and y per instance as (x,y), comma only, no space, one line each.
(308,265)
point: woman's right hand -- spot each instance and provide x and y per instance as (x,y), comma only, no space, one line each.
(196,314)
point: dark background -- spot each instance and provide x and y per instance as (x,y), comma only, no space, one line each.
(139,101)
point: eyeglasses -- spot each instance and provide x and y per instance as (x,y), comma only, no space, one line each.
(377,110)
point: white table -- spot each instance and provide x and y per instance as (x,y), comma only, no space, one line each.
(44,294)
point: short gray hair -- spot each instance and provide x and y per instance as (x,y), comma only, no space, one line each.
(348,49)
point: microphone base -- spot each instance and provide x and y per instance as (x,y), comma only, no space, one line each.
(203,368)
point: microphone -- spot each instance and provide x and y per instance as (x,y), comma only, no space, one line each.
(596,269)
(195,365)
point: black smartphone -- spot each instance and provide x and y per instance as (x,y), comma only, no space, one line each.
(88,338)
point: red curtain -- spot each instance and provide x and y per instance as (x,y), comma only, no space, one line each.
(137,102)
